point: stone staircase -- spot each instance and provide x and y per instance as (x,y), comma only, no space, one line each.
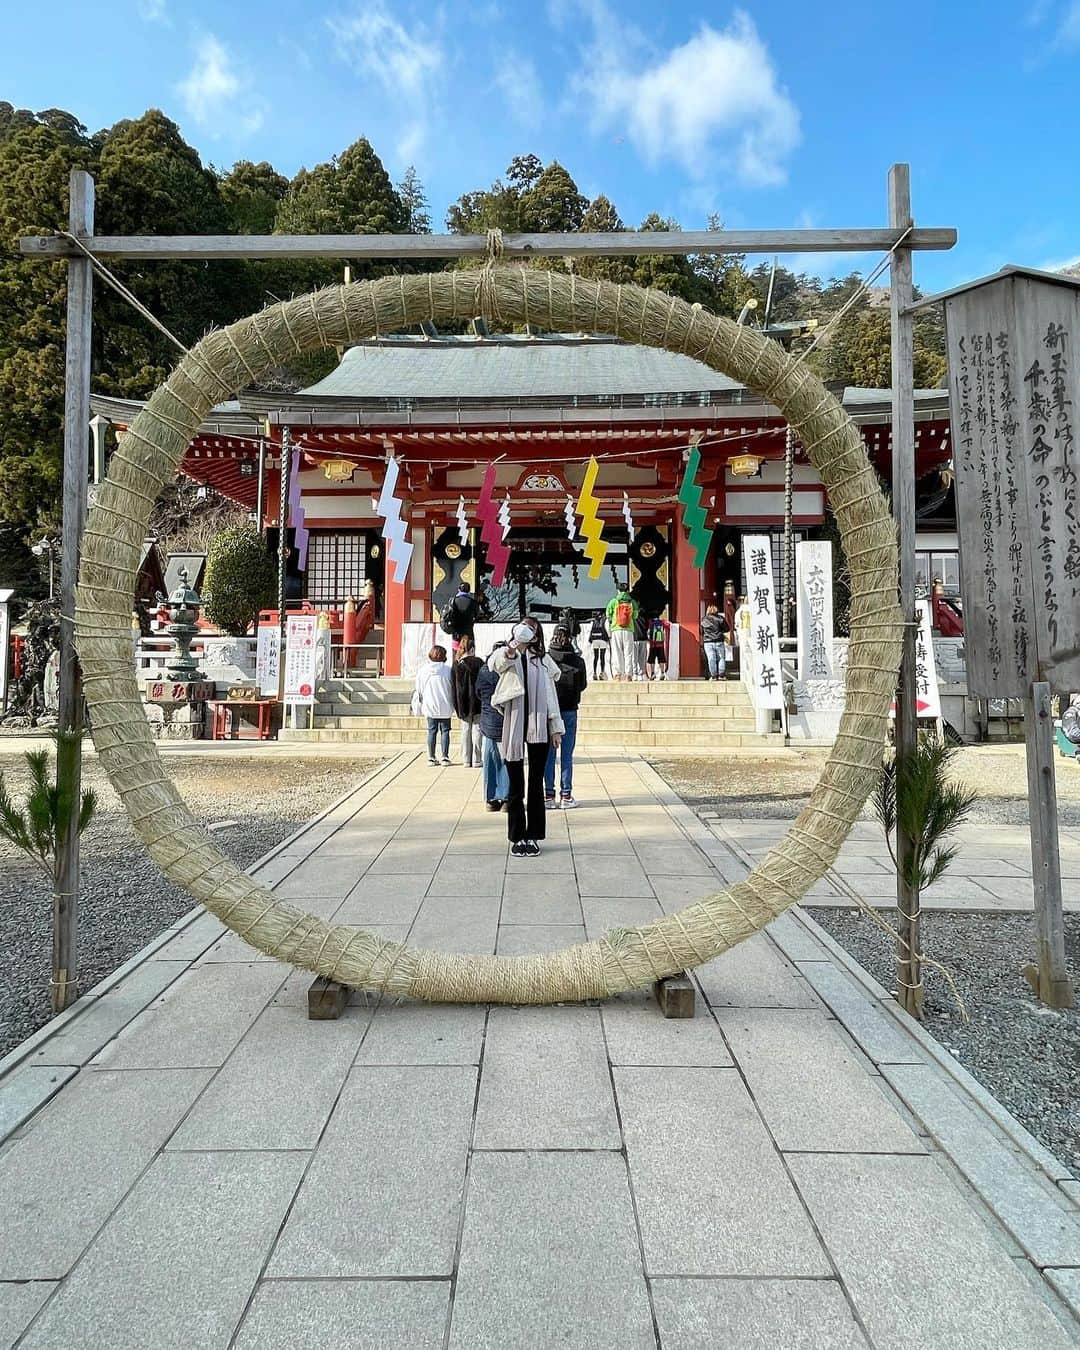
(666,714)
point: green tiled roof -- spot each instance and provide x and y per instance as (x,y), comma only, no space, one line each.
(511,368)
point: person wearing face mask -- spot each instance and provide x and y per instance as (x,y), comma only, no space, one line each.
(532,723)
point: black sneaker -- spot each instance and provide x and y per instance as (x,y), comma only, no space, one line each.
(494,806)
(520,849)
(532,848)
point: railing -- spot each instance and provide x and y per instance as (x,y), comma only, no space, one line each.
(153,654)
(352,658)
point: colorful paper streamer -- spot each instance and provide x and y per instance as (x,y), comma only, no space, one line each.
(398,549)
(491,533)
(462,520)
(698,534)
(592,527)
(628,515)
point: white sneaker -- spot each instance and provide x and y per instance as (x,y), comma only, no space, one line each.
(568,804)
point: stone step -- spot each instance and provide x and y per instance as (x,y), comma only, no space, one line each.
(674,740)
(405,723)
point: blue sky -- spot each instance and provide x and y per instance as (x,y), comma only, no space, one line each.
(772,115)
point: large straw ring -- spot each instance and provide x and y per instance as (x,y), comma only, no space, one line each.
(149,454)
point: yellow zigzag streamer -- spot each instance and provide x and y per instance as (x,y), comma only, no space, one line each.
(592,527)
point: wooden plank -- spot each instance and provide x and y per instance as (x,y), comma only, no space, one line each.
(326,999)
(1049,978)
(464,245)
(80,299)
(909,975)
(675,995)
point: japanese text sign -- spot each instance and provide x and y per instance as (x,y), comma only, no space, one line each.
(764,643)
(814,592)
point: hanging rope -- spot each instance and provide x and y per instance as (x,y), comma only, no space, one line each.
(111,279)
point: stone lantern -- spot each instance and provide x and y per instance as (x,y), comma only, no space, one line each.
(183,605)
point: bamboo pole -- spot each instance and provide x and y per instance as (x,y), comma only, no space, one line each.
(909,974)
(80,292)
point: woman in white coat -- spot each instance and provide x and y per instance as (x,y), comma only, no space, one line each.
(531,724)
(433,698)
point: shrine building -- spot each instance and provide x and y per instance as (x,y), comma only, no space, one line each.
(539,406)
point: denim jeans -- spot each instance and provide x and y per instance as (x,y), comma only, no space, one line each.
(438,726)
(496,780)
(714,655)
(566,756)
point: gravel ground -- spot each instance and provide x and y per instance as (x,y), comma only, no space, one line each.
(125,901)
(1027,1055)
(776,786)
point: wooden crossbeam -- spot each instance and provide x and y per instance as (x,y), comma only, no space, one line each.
(393,246)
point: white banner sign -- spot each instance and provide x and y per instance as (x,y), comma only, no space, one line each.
(764,642)
(301,657)
(927,693)
(266,661)
(813,589)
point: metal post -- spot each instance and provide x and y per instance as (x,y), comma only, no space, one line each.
(69,745)
(260,490)
(789,550)
(283,551)
(909,974)
(1050,978)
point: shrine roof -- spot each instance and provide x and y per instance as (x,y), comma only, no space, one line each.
(503,370)
(1069,279)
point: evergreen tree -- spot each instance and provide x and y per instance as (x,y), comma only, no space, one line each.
(349,194)
(552,203)
(414,200)
(601,218)
(523,172)
(665,272)
(251,194)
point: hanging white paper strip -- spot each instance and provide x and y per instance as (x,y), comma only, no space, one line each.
(462,520)
(504,515)
(628,515)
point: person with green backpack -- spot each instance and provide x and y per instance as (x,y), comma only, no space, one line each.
(622,615)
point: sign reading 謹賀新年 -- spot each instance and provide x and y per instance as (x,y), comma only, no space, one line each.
(1014,384)
(301,657)
(814,592)
(764,642)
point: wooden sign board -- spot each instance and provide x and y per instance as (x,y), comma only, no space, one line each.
(764,638)
(814,605)
(1014,382)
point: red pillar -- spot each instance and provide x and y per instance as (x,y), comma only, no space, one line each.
(394,614)
(687,604)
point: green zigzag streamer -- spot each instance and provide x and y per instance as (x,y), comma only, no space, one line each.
(698,534)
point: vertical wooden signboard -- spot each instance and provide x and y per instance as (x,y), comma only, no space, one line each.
(1014,380)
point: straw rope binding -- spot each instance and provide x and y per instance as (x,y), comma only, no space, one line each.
(149,454)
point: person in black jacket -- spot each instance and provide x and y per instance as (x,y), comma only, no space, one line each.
(462,615)
(466,704)
(496,779)
(570,685)
(713,628)
(599,641)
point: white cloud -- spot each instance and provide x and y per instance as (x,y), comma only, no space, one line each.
(407,64)
(1060,265)
(1068,28)
(153,11)
(518,81)
(216,93)
(713,102)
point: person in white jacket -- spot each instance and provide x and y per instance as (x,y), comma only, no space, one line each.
(433,698)
(531,724)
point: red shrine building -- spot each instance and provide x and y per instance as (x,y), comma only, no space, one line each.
(539,406)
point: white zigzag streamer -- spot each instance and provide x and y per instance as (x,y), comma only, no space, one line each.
(628,515)
(398,550)
(571,518)
(504,515)
(462,520)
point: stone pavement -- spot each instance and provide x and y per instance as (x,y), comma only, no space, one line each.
(190,1162)
(991,875)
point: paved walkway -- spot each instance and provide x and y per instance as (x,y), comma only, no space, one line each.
(190,1162)
(992,873)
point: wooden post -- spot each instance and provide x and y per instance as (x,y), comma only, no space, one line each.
(675,995)
(65,986)
(283,557)
(789,545)
(1050,978)
(260,489)
(909,974)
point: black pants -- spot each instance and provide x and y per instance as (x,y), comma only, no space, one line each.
(525,814)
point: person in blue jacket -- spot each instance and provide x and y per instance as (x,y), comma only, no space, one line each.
(496,779)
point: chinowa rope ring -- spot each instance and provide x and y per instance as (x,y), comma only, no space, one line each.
(148,456)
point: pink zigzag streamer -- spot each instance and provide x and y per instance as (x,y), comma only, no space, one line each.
(498,555)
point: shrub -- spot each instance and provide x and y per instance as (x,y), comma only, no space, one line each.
(240,579)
